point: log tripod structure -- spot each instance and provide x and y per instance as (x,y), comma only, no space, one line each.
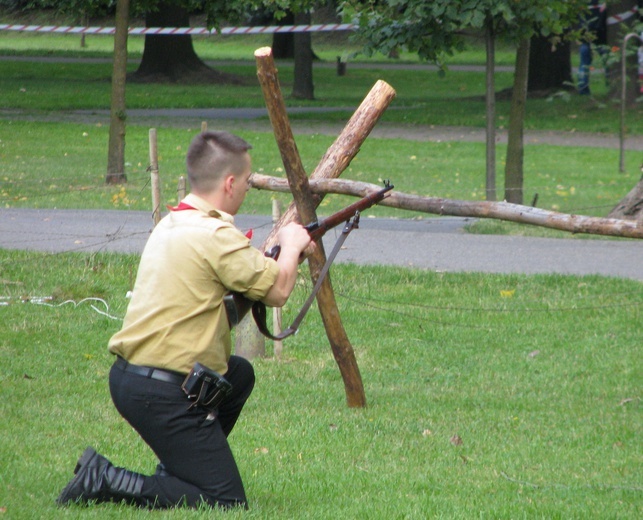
(333,163)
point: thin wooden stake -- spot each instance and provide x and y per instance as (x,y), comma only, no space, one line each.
(154,173)
(181,188)
(276,312)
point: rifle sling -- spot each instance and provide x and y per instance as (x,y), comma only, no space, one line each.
(259,309)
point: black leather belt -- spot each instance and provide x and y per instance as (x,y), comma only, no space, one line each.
(151,372)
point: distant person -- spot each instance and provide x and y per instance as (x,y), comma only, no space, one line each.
(175,319)
(593,26)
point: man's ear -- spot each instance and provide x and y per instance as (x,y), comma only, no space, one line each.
(228,182)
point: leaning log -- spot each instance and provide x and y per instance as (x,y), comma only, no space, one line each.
(466,208)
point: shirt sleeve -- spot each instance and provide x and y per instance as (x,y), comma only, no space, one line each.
(239,266)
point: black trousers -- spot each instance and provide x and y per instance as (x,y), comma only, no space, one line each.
(197,463)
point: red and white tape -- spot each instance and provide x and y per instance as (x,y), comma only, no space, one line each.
(621,17)
(65,29)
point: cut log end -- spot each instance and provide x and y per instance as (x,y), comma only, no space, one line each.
(263,52)
(386,89)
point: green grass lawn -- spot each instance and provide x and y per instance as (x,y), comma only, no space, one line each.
(423,97)
(487,398)
(67,168)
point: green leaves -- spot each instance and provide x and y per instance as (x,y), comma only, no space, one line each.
(435,28)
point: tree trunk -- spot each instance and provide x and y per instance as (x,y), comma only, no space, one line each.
(515,144)
(491,111)
(116,146)
(283,44)
(171,58)
(550,68)
(303,87)
(631,207)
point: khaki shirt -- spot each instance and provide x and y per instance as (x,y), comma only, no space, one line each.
(176,316)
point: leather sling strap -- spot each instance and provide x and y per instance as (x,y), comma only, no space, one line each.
(259,309)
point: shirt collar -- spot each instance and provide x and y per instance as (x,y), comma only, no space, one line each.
(198,203)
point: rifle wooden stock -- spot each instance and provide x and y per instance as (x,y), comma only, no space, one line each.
(237,305)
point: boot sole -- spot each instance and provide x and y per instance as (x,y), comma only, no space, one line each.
(84,459)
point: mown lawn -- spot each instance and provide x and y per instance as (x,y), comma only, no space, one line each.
(489,396)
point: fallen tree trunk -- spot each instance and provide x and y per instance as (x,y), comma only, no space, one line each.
(466,208)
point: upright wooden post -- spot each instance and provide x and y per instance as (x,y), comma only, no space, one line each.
(154,177)
(267,74)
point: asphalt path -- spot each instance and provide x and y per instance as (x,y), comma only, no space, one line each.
(438,244)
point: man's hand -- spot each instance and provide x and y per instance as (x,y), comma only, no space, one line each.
(293,236)
(295,242)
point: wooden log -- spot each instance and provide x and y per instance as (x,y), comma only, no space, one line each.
(267,74)
(304,205)
(466,208)
(336,159)
(332,164)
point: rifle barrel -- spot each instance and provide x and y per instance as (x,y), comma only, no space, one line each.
(316,230)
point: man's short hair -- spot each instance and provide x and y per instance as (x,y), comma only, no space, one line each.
(211,156)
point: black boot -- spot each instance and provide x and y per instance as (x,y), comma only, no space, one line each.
(97,479)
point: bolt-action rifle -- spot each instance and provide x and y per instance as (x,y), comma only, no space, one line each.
(237,305)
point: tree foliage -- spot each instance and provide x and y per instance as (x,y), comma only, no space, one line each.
(437,28)
(74,7)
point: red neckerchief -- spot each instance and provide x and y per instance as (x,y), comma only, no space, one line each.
(183,206)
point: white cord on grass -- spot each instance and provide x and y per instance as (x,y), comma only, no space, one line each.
(76,304)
